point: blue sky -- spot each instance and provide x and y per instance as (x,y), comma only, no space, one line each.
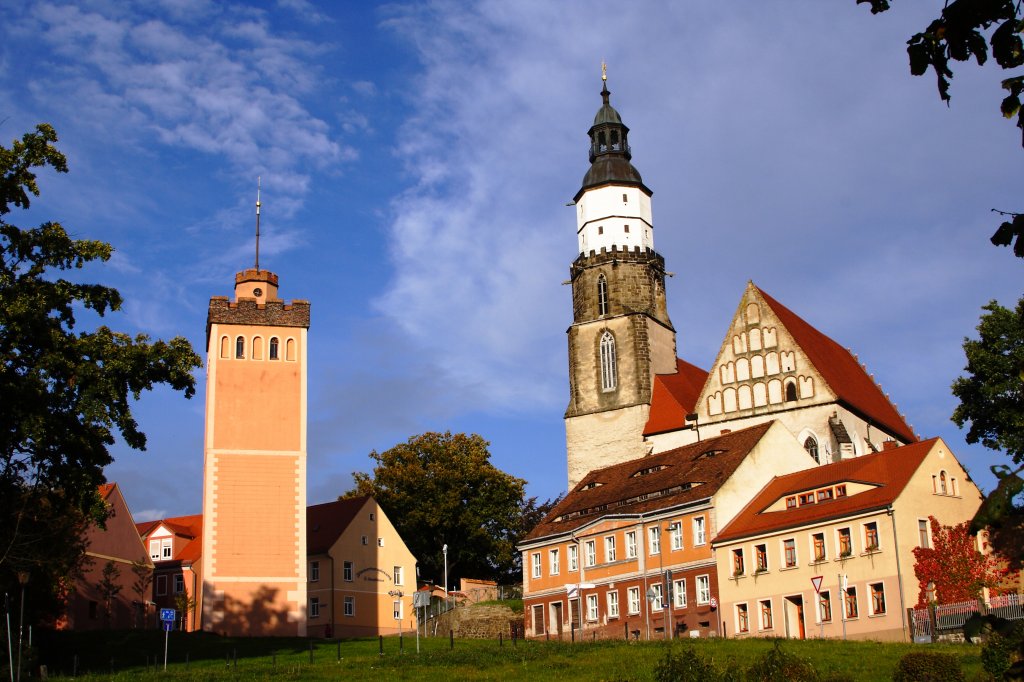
(416,159)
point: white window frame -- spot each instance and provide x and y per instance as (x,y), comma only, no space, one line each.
(796,554)
(347,569)
(396,609)
(553,557)
(398,575)
(535,562)
(821,598)
(631,544)
(154,550)
(613,603)
(314,607)
(871,599)
(633,595)
(746,610)
(314,571)
(609,549)
(574,557)
(349,606)
(677,535)
(166,549)
(380,542)
(590,553)
(679,593)
(654,540)
(699,531)
(760,614)
(658,603)
(703,583)
(609,368)
(592,607)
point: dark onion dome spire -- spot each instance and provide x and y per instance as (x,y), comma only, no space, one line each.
(609,150)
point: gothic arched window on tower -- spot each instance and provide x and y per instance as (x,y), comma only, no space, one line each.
(609,370)
(240,347)
(811,446)
(602,295)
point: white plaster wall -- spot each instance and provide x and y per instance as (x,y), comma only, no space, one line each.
(598,440)
(603,210)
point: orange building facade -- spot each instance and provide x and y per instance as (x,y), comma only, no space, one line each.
(175,545)
(254,485)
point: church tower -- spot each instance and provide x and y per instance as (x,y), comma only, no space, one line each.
(254,480)
(621,335)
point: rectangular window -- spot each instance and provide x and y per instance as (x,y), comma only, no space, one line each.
(154,550)
(825,494)
(535,559)
(314,607)
(761,551)
(179,583)
(165,549)
(364,540)
(574,561)
(609,548)
(806,498)
(737,562)
(699,537)
(791,502)
(742,618)
(870,536)
(350,606)
(825,606)
(380,542)
(766,614)
(679,593)
(850,602)
(656,603)
(845,542)
(818,544)
(396,609)
(161,585)
(613,604)
(654,540)
(631,544)
(314,571)
(591,607)
(397,572)
(591,553)
(676,531)
(877,598)
(346,572)
(634,600)
(924,535)
(789,551)
(703,589)
(553,556)
(840,491)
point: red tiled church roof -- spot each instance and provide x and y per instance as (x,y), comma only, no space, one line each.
(674,396)
(618,490)
(889,470)
(842,373)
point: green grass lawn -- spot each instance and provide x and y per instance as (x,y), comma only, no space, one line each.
(124,655)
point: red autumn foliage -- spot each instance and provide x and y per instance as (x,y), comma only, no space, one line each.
(953,567)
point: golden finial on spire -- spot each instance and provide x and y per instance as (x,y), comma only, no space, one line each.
(604,71)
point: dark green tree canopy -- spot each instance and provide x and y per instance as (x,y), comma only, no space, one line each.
(441,489)
(65,393)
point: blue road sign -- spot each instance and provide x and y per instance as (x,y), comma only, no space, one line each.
(168,615)
(168,625)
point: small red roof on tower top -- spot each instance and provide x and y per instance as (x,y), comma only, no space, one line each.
(841,371)
(674,396)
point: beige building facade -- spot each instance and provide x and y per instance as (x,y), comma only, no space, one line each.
(828,552)
(254,485)
(361,574)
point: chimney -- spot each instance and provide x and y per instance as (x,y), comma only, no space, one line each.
(889,445)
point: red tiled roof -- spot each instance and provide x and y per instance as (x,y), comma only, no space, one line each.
(842,373)
(618,490)
(190,527)
(105,489)
(145,526)
(674,397)
(326,522)
(890,470)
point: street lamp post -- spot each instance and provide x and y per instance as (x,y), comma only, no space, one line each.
(444,550)
(22,580)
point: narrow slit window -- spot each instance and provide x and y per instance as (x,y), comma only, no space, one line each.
(274,346)
(602,295)
(240,347)
(609,371)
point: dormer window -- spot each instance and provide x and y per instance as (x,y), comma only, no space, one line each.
(708,454)
(650,470)
(592,485)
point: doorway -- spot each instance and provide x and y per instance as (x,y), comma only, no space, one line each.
(556,617)
(538,620)
(795,617)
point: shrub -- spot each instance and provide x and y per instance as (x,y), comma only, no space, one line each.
(779,666)
(1002,648)
(928,667)
(684,666)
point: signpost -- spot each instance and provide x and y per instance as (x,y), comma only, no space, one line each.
(167,616)
(420,600)
(816,581)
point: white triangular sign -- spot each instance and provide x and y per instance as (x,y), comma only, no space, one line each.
(816,581)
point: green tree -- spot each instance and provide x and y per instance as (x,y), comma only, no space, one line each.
(109,589)
(143,570)
(65,393)
(964,31)
(441,489)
